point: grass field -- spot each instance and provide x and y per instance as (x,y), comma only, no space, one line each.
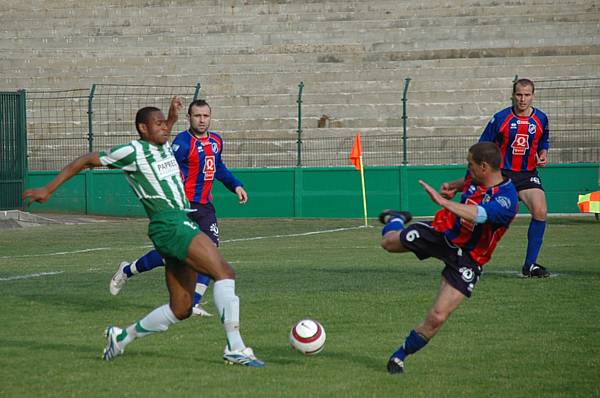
(515,338)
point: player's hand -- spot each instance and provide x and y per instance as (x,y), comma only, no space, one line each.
(242,195)
(541,159)
(175,107)
(433,194)
(447,191)
(40,195)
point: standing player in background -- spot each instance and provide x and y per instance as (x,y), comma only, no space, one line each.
(198,153)
(522,133)
(463,235)
(154,176)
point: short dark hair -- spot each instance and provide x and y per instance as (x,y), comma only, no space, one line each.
(524,82)
(488,152)
(198,102)
(143,115)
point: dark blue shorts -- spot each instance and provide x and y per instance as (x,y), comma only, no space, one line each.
(424,241)
(206,217)
(524,179)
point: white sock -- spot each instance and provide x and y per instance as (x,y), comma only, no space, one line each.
(158,320)
(133,268)
(228,305)
(201,288)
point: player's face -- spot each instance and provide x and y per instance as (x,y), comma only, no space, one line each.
(523,98)
(199,118)
(155,130)
(475,169)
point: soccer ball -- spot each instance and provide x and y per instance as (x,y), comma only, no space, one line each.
(308,337)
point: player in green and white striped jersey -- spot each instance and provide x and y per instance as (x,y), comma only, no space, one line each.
(152,172)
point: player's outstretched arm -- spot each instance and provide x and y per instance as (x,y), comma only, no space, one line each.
(466,212)
(174,108)
(42,194)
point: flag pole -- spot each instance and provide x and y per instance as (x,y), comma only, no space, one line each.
(364,194)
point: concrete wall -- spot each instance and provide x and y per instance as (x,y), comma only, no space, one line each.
(353,56)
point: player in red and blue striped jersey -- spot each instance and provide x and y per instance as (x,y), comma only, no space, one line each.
(463,235)
(198,153)
(522,133)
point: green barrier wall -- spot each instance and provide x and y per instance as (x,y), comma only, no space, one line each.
(308,192)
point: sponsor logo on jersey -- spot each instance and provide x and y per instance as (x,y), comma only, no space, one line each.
(209,168)
(520,144)
(522,121)
(166,168)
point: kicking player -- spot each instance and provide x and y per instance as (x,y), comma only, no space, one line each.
(153,173)
(463,235)
(198,153)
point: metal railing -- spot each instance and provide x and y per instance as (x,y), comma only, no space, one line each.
(65,124)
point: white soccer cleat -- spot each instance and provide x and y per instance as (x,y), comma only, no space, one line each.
(118,280)
(113,348)
(197,310)
(243,357)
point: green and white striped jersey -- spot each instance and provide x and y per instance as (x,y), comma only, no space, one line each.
(152,172)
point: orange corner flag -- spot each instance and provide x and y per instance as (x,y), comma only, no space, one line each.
(356,152)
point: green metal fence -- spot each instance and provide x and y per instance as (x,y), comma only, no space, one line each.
(573,107)
(13,163)
(62,125)
(65,124)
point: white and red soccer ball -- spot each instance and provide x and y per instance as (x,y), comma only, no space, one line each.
(308,336)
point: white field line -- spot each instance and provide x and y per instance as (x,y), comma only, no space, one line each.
(58,253)
(148,246)
(29,276)
(293,235)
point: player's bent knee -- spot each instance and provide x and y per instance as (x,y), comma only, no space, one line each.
(391,243)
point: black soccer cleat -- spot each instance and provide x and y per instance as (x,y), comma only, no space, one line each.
(395,365)
(388,214)
(535,271)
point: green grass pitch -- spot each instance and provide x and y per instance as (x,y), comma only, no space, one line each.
(514,338)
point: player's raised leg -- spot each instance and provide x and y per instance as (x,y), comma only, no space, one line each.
(126,270)
(180,282)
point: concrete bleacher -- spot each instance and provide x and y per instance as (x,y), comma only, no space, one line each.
(352,56)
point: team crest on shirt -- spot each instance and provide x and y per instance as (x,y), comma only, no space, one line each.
(532,128)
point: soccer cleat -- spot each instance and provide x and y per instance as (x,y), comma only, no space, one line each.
(197,310)
(243,357)
(118,280)
(113,348)
(395,365)
(389,214)
(535,271)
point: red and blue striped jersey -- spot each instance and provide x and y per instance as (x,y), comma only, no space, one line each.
(520,138)
(200,163)
(501,204)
